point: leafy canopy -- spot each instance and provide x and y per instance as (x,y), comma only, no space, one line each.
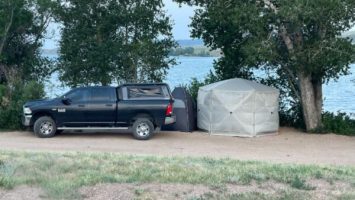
(22,29)
(106,40)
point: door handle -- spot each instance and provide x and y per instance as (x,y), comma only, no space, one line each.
(81,105)
(109,105)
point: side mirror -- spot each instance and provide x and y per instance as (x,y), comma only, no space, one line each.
(66,101)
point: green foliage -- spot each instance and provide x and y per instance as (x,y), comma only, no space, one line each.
(23,24)
(291,116)
(106,40)
(22,69)
(339,123)
(195,84)
(300,184)
(12,100)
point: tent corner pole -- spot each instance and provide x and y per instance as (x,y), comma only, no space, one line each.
(211,113)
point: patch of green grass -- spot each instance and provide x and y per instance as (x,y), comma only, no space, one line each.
(7,172)
(300,184)
(61,174)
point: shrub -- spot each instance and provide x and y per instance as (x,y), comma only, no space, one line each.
(12,99)
(339,123)
(291,116)
(193,87)
(195,84)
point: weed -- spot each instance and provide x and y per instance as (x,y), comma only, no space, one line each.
(300,184)
(139,191)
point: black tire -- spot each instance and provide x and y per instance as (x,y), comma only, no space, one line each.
(44,127)
(143,129)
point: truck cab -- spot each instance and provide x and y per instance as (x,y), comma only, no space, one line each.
(142,108)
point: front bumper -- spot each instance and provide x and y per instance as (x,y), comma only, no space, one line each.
(26,120)
(170,120)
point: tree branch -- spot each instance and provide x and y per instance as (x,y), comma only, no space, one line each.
(292,80)
(283,31)
(43,27)
(7,29)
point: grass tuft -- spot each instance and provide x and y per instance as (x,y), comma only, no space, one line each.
(300,184)
(6,175)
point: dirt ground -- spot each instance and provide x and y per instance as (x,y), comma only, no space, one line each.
(322,190)
(289,146)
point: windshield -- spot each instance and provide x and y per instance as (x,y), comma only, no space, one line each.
(64,95)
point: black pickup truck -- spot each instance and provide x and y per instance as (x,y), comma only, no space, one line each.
(143,108)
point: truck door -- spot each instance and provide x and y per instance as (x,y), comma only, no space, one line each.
(101,109)
(73,114)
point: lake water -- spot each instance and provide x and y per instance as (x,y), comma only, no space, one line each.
(338,96)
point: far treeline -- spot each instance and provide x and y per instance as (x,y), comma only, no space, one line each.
(199,51)
(298,43)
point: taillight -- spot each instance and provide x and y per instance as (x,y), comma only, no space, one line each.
(169,110)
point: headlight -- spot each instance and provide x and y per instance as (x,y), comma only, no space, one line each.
(27,110)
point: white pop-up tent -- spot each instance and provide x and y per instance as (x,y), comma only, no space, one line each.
(238,107)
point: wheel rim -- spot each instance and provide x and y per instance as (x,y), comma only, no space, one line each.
(143,129)
(46,128)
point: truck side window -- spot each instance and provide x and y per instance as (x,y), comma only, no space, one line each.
(103,94)
(145,92)
(79,95)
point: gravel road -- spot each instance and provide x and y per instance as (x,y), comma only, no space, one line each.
(289,146)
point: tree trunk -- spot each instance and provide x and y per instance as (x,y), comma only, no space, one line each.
(312,101)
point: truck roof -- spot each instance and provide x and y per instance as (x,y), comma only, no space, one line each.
(143,84)
(128,84)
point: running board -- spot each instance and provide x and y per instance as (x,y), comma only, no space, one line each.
(92,128)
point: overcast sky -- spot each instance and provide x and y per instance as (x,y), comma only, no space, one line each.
(181,17)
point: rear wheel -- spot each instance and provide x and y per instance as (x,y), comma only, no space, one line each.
(44,127)
(143,129)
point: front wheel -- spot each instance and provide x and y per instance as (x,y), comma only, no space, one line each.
(45,127)
(143,129)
